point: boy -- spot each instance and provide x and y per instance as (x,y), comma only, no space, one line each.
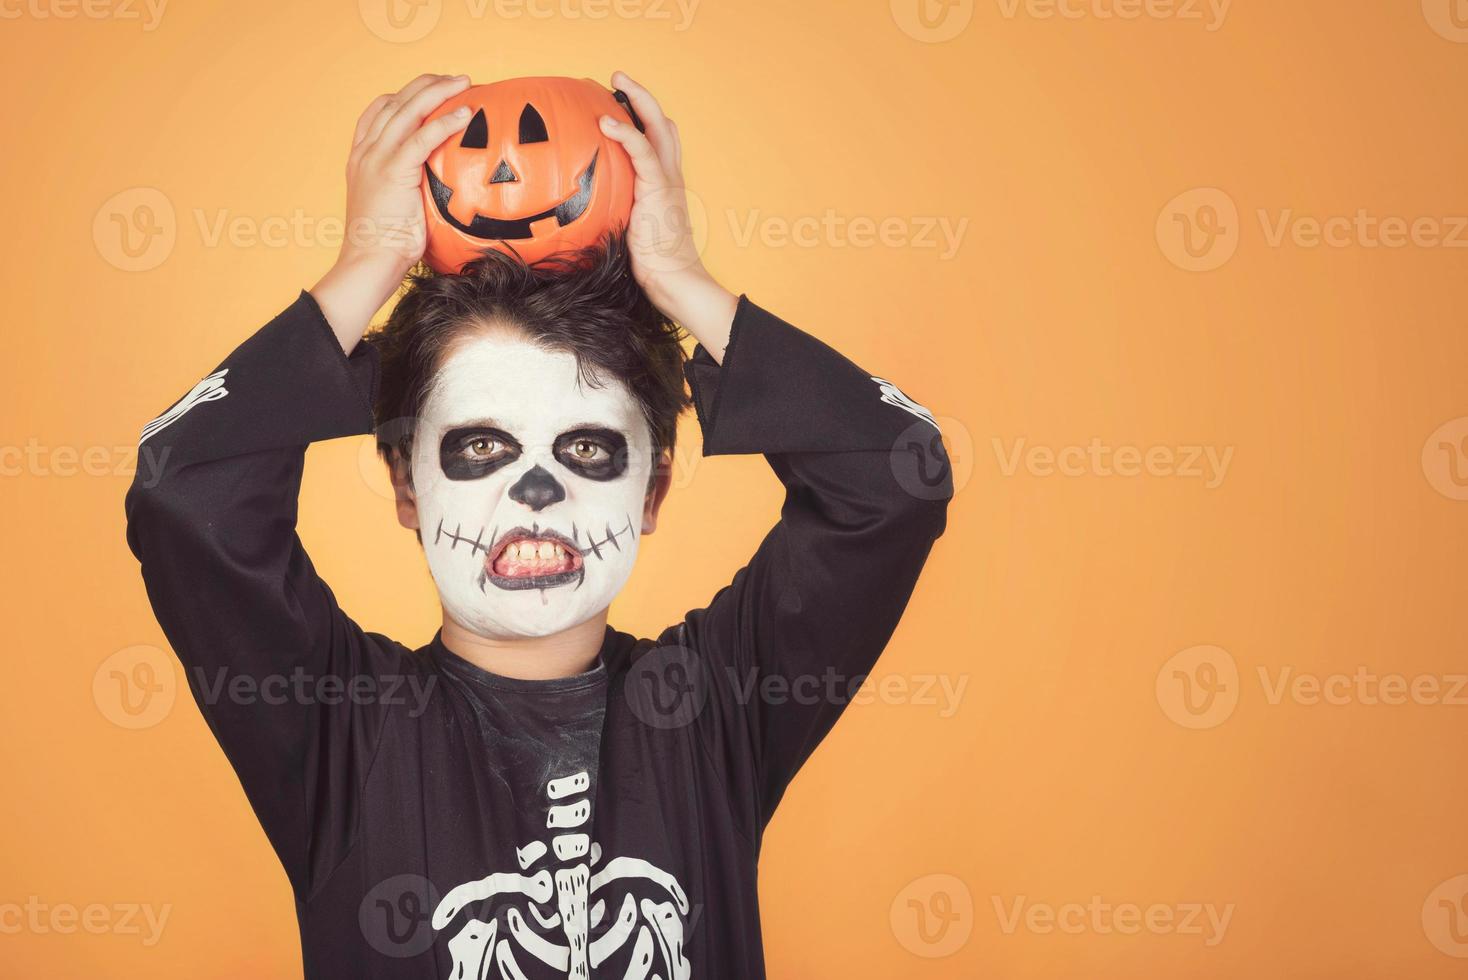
(566,799)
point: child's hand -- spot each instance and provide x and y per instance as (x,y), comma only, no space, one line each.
(665,257)
(386,231)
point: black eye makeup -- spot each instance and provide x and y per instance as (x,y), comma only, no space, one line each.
(595,453)
(476,451)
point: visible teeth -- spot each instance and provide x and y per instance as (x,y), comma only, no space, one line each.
(531,549)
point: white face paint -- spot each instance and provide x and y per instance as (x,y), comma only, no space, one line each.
(530,487)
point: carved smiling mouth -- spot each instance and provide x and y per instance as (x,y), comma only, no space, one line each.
(503,229)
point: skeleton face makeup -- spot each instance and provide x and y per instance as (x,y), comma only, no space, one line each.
(529,486)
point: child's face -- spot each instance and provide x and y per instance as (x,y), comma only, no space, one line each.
(530,487)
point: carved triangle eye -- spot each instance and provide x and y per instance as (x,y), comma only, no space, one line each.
(532,127)
(476,136)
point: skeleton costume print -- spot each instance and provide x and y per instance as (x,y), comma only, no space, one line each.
(439,821)
(561,905)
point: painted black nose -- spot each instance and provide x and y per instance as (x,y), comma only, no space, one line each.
(537,489)
(503,175)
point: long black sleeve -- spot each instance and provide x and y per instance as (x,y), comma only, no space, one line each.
(867,484)
(236,594)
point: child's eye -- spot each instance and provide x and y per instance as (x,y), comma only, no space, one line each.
(483,448)
(593,452)
(470,453)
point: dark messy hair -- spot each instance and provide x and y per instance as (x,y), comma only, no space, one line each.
(585,303)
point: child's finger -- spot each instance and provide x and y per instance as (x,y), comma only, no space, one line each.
(409,114)
(644,159)
(416,150)
(396,99)
(658,125)
(647,107)
(419,84)
(368,117)
(677,150)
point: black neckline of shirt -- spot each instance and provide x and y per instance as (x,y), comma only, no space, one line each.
(457,665)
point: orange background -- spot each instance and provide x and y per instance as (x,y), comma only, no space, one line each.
(1334,831)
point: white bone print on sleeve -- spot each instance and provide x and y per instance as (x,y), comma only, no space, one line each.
(561,896)
(210,389)
(893,395)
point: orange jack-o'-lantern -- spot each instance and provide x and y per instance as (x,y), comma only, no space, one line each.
(531,174)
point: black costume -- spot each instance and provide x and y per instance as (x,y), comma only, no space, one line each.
(432,816)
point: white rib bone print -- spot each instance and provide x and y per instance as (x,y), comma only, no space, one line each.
(563,894)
